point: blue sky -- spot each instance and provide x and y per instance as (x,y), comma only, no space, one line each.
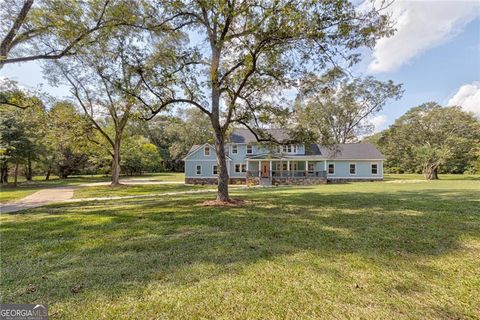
(435,53)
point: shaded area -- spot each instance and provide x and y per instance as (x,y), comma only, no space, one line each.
(112,248)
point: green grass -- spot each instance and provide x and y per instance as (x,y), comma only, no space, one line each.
(358,250)
(134,190)
(25,188)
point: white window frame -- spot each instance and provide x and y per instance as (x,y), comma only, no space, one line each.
(249,146)
(328,168)
(371,168)
(241,166)
(205,151)
(356,169)
(236,148)
(213,169)
(198,166)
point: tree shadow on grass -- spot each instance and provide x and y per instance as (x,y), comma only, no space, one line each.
(109,247)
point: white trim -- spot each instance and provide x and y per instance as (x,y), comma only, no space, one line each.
(371,171)
(213,171)
(196,169)
(349,172)
(246,148)
(205,160)
(328,168)
(240,164)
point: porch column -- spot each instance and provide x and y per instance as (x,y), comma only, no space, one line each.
(247,165)
(306,168)
(270,168)
(259,168)
(325,165)
(288,168)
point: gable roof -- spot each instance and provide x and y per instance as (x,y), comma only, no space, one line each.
(240,135)
(196,147)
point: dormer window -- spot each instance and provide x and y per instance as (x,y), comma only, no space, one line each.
(249,149)
(207,150)
(289,148)
(234,149)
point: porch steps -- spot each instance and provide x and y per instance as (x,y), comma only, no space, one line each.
(265,181)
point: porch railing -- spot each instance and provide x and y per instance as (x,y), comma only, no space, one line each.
(289,174)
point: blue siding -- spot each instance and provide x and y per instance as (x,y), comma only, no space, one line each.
(206,162)
(342,169)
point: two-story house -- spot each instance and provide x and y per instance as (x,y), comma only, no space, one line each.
(249,161)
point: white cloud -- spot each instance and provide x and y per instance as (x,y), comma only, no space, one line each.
(421,25)
(379,122)
(468,97)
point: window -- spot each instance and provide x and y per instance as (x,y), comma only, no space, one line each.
(353,168)
(294,148)
(199,170)
(374,168)
(331,168)
(249,149)
(293,166)
(207,150)
(311,166)
(234,148)
(240,168)
(284,149)
(289,148)
(215,169)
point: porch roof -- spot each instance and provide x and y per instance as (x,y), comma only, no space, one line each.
(284,157)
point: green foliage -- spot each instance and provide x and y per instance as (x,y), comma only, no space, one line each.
(431,139)
(139,155)
(337,109)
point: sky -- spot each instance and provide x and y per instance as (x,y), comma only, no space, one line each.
(435,53)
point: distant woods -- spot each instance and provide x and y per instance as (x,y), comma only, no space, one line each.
(431,139)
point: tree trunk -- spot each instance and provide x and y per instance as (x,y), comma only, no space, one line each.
(222,193)
(15,181)
(116,162)
(430,172)
(28,171)
(4,174)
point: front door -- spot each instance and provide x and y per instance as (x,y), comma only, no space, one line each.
(265,169)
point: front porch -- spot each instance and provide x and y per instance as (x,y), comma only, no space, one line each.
(284,171)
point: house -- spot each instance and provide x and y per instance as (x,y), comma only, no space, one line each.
(249,161)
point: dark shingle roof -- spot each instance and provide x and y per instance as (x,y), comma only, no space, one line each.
(351,151)
(240,135)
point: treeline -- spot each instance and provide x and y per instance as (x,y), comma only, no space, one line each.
(58,139)
(431,139)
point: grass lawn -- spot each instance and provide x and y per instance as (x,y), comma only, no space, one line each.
(134,190)
(25,188)
(359,250)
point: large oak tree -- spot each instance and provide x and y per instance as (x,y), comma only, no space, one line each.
(241,55)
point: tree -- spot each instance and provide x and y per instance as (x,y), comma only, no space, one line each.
(337,108)
(11,94)
(20,132)
(139,155)
(65,140)
(52,29)
(255,49)
(430,136)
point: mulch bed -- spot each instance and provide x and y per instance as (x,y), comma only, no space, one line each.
(230,203)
